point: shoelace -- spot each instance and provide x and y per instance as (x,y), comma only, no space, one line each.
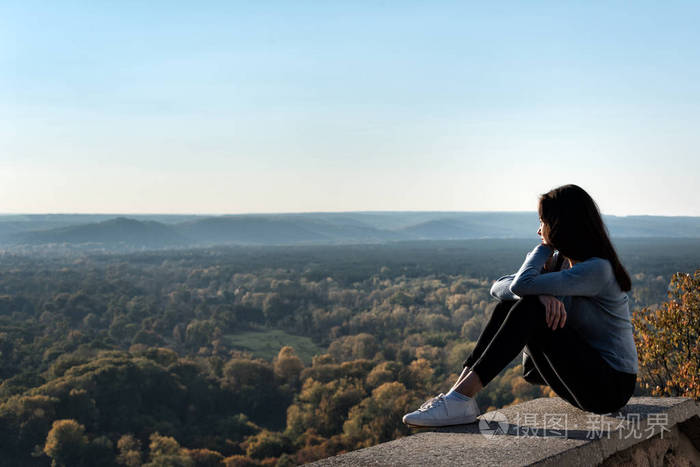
(433,402)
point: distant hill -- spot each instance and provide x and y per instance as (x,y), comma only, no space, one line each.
(163,231)
(120,231)
(251,230)
(653,226)
(475,225)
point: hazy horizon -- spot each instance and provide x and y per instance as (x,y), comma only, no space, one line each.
(370,211)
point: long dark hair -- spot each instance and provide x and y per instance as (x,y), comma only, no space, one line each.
(574,226)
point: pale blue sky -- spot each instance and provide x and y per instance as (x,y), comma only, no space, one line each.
(288,106)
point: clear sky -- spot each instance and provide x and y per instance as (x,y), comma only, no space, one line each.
(288,106)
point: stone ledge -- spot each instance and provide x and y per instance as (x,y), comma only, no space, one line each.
(527,434)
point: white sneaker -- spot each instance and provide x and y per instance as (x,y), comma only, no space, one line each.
(442,411)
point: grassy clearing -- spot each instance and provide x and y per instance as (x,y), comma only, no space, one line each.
(267,344)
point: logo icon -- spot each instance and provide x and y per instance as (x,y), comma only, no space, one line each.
(492,424)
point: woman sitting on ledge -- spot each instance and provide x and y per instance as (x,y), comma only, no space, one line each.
(567,309)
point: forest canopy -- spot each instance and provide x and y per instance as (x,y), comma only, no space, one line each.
(253,355)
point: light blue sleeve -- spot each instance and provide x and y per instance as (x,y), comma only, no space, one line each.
(586,278)
(501,288)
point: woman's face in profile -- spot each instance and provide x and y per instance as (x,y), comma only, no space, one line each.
(543,231)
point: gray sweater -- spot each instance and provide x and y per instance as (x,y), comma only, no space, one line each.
(595,305)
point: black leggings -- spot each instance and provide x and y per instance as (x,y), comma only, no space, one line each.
(558,358)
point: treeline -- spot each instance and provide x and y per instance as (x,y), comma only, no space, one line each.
(131,360)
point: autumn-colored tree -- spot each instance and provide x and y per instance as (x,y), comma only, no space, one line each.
(66,443)
(362,345)
(129,451)
(24,422)
(324,407)
(385,372)
(205,457)
(267,444)
(288,365)
(668,340)
(378,418)
(240,461)
(314,447)
(417,375)
(166,451)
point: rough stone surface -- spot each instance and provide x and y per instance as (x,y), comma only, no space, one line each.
(549,431)
(675,448)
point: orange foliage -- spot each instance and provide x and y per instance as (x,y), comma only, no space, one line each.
(240,461)
(205,457)
(668,340)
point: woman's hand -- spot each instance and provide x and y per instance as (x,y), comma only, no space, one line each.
(556,314)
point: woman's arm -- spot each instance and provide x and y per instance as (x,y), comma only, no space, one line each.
(501,288)
(586,278)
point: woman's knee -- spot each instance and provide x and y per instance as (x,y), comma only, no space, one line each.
(533,307)
(531,300)
(526,302)
(504,305)
(530,373)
